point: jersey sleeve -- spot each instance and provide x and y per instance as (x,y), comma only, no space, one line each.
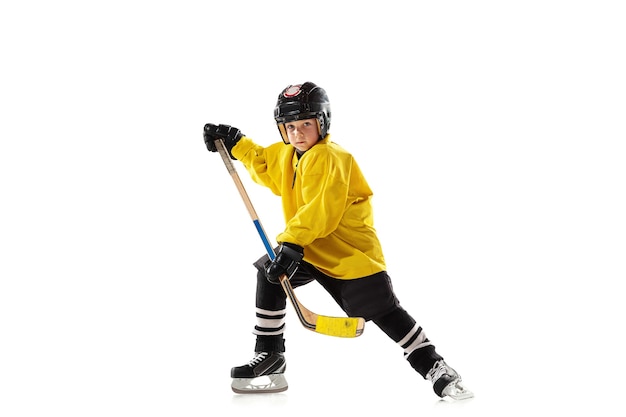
(260,162)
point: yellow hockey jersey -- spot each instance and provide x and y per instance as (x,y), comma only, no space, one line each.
(326,204)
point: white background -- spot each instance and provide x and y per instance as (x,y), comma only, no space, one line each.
(492,134)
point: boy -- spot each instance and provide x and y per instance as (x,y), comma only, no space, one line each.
(329,237)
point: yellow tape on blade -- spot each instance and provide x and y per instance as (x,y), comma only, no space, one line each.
(336,326)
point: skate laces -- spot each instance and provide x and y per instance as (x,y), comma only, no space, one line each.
(440,368)
(260,356)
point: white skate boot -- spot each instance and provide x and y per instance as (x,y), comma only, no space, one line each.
(263,374)
(447,382)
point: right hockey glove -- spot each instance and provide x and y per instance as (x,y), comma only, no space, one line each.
(286,262)
(230,135)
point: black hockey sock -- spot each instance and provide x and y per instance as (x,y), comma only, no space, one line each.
(270,344)
(423,359)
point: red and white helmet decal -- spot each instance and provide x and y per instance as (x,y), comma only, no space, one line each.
(292,90)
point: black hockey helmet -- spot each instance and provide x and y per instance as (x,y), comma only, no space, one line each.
(302,101)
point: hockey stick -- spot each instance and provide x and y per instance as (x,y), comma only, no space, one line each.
(331,326)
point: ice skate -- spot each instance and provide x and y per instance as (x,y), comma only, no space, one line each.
(263,374)
(447,382)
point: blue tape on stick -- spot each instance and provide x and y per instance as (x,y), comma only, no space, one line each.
(268,247)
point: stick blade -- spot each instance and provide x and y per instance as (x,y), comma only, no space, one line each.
(330,326)
(340,326)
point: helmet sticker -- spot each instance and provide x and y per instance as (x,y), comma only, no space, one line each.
(292,90)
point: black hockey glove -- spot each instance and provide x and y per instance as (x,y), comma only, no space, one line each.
(286,262)
(230,135)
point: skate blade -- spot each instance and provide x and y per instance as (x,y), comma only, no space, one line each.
(267,384)
(457,392)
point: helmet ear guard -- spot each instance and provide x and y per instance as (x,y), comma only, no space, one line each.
(283,132)
(302,101)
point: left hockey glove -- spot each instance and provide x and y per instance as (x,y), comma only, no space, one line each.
(230,135)
(286,262)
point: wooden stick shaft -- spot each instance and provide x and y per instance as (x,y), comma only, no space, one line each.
(219,144)
(284,281)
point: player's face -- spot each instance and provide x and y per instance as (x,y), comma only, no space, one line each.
(302,134)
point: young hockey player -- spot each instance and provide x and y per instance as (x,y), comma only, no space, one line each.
(329,237)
